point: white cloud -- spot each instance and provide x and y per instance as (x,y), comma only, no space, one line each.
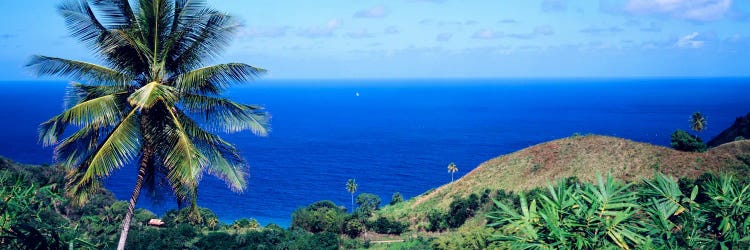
(378,11)
(696,10)
(690,41)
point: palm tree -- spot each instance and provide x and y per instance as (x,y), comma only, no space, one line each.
(452,169)
(697,122)
(152,103)
(351,187)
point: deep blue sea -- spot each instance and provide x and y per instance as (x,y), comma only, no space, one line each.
(398,135)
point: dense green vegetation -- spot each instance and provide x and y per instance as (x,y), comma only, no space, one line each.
(396,198)
(34,214)
(683,141)
(459,211)
(662,213)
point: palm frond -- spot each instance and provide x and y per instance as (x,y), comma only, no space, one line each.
(148,95)
(154,17)
(83,24)
(123,41)
(75,148)
(201,39)
(103,111)
(77,189)
(117,14)
(118,148)
(228,115)
(81,21)
(224,159)
(214,79)
(93,73)
(77,93)
(186,12)
(183,159)
(51,130)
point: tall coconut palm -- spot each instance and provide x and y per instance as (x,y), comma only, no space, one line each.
(697,122)
(351,187)
(152,102)
(452,169)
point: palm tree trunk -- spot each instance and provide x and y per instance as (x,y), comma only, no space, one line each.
(195,215)
(145,162)
(352,202)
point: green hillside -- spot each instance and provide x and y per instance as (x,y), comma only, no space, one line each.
(580,156)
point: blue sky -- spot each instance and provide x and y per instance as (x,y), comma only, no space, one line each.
(445,38)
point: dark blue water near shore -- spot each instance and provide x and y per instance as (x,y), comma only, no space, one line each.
(398,135)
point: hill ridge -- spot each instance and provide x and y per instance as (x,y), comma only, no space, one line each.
(583,157)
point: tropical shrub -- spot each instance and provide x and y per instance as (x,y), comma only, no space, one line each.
(383,225)
(23,201)
(180,236)
(462,209)
(367,203)
(217,240)
(683,141)
(207,218)
(662,213)
(473,239)
(396,198)
(437,221)
(245,224)
(728,213)
(353,227)
(591,217)
(321,216)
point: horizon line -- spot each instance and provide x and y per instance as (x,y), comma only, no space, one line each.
(261,79)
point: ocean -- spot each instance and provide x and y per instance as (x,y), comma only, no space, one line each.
(397,135)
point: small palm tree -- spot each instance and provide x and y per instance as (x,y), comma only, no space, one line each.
(697,122)
(351,187)
(153,103)
(452,169)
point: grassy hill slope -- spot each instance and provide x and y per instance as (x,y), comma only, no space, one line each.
(580,156)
